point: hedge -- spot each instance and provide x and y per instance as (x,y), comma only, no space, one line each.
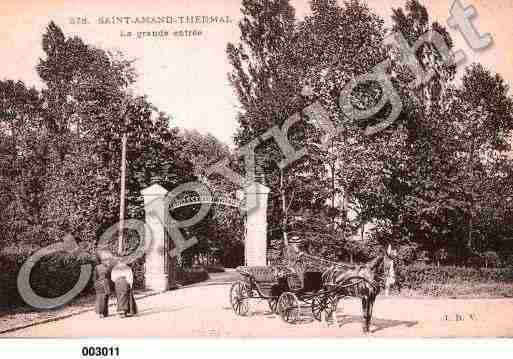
(52,276)
(417,276)
(56,274)
(192,275)
(214,269)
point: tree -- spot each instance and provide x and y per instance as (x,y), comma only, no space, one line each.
(448,140)
(61,146)
(23,158)
(483,113)
(83,98)
(270,91)
(265,82)
(220,235)
(454,136)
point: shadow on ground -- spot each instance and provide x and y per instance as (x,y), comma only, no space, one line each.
(377,324)
(146,312)
(341,319)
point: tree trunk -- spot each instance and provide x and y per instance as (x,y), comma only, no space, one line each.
(284,211)
(332,167)
(122,195)
(471,209)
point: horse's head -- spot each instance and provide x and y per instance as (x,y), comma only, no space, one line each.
(382,268)
(389,267)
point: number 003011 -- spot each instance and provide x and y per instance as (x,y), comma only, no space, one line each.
(100,351)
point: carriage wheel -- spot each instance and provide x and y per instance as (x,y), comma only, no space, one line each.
(288,307)
(273,302)
(239,298)
(324,303)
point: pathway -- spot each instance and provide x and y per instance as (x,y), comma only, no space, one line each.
(204,311)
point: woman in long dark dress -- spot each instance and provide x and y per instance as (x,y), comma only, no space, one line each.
(122,277)
(102,289)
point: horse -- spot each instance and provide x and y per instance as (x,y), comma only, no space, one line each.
(364,281)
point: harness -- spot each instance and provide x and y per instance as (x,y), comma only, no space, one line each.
(303,261)
(329,276)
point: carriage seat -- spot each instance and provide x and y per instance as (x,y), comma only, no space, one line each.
(262,274)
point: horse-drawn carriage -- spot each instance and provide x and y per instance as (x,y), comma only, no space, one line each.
(309,280)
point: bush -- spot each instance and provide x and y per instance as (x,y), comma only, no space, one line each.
(407,253)
(52,276)
(197,273)
(491,259)
(445,280)
(214,268)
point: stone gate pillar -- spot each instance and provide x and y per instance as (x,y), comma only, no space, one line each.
(159,270)
(255,246)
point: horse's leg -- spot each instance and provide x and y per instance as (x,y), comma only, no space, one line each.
(365,313)
(369,312)
(331,308)
(334,313)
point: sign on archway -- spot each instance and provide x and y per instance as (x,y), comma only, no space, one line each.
(164,231)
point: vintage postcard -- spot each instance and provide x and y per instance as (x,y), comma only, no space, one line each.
(256,169)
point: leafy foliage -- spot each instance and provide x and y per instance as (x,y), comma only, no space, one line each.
(60,156)
(438,178)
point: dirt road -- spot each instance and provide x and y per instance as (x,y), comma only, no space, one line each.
(205,311)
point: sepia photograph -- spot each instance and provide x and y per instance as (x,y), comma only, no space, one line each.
(332,169)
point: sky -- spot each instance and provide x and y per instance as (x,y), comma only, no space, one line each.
(187,76)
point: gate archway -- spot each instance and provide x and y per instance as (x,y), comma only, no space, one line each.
(160,268)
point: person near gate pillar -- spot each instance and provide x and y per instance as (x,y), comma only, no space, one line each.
(123,279)
(102,289)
